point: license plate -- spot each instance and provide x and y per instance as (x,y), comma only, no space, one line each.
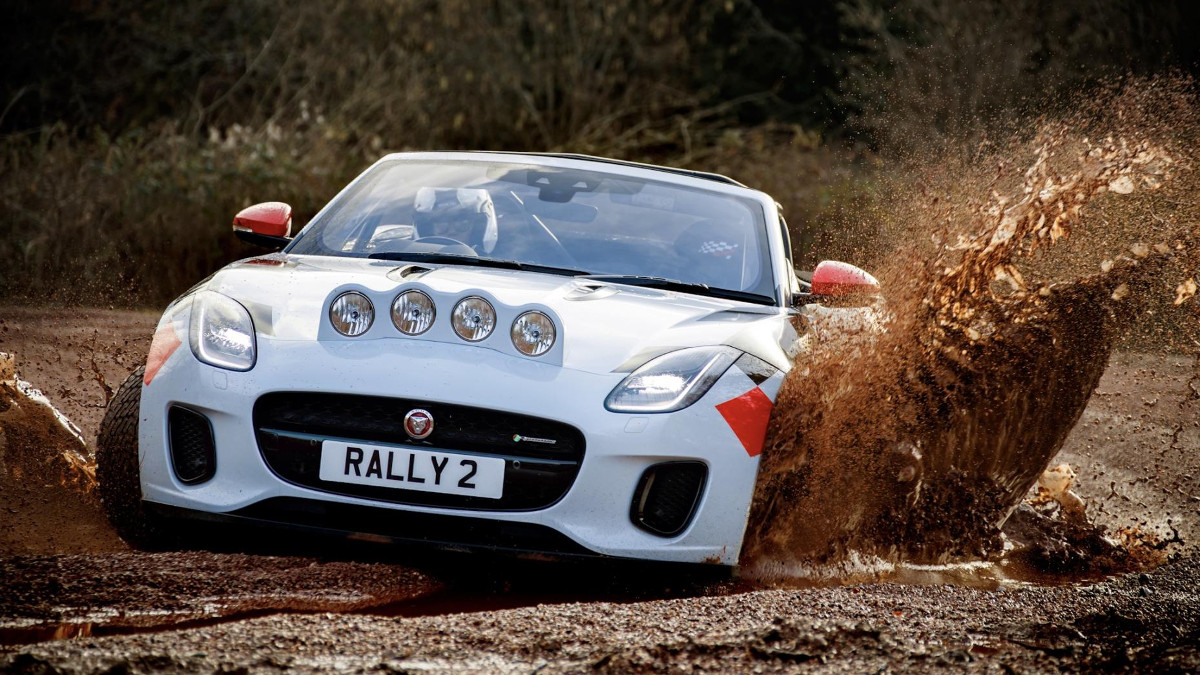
(411,469)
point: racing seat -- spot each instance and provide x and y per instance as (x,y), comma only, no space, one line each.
(712,252)
(464,215)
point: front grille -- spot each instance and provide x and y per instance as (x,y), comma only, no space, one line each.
(667,496)
(290,427)
(193,451)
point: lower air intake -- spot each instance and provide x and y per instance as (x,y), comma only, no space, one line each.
(667,496)
(193,451)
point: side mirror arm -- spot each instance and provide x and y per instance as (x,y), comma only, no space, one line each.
(859,299)
(801,299)
(264,240)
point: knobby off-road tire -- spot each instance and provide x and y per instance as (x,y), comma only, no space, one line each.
(117,469)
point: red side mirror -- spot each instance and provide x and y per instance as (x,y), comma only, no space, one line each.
(833,278)
(269,219)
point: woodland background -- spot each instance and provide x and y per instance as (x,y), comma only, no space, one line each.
(131,132)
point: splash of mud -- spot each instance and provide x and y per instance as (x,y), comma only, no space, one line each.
(47,478)
(917,443)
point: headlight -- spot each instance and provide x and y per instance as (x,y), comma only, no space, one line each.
(473,318)
(413,312)
(351,313)
(222,333)
(672,381)
(533,333)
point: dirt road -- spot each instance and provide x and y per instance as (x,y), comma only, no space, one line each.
(1138,623)
(1136,453)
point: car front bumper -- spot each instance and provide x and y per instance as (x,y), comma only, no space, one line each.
(593,514)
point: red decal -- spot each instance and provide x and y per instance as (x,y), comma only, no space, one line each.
(748,415)
(164,344)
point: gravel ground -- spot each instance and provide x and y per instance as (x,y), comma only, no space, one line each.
(1140,622)
(1136,450)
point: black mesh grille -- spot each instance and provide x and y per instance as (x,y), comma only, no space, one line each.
(291,426)
(667,496)
(193,451)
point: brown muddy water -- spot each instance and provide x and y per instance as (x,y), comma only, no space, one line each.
(910,448)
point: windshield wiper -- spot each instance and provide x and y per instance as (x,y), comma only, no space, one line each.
(472,261)
(662,283)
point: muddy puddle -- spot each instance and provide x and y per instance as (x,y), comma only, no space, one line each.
(14,636)
(54,597)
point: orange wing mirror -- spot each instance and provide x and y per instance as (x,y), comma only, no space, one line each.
(268,225)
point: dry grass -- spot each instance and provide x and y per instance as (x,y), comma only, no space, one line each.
(137,219)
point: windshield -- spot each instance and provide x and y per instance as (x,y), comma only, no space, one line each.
(563,220)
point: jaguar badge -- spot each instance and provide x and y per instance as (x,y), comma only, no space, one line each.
(418,424)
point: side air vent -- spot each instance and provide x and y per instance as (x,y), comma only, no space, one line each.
(193,451)
(667,496)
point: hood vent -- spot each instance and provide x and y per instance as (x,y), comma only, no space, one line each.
(584,290)
(408,272)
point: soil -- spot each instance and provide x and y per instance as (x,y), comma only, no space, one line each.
(77,357)
(73,606)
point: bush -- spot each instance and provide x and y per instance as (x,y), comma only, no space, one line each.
(131,132)
(138,218)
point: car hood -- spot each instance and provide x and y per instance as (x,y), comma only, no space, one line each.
(605,327)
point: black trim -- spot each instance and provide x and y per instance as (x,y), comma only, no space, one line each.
(756,369)
(190,433)
(715,177)
(264,240)
(657,507)
(389,525)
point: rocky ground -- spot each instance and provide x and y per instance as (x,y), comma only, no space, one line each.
(85,604)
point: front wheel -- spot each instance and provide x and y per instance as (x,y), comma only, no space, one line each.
(117,468)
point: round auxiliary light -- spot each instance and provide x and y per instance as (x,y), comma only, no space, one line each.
(473,318)
(413,312)
(533,333)
(351,314)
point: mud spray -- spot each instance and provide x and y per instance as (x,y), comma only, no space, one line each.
(48,499)
(1024,266)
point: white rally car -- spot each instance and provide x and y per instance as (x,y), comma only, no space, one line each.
(531,352)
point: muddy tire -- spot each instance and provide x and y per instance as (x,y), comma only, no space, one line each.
(117,468)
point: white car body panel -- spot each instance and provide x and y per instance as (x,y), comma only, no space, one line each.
(605,331)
